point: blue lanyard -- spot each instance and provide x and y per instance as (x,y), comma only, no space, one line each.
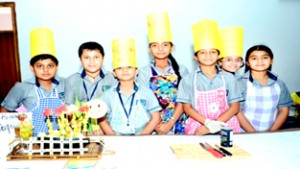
(130,108)
(86,92)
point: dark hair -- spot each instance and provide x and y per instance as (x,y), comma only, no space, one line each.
(258,48)
(43,57)
(90,46)
(174,64)
(175,67)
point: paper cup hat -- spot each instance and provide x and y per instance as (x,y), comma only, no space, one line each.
(123,53)
(42,42)
(206,35)
(159,28)
(231,41)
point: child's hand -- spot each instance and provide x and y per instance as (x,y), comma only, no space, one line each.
(163,128)
(98,132)
(214,126)
(202,130)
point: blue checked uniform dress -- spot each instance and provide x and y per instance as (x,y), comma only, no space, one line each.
(38,119)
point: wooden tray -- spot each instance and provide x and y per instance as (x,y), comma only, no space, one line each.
(196,152)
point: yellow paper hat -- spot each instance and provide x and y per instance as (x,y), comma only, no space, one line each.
(159,28)
(123,52)
(231,41)
(206,35)
(42,42)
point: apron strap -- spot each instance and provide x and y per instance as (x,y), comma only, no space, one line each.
(153,72)
(54,93)
(40,94)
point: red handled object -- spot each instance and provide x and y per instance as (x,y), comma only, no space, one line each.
(224,151)
(207,145)
(211,150)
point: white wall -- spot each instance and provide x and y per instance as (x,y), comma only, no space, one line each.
(275,23)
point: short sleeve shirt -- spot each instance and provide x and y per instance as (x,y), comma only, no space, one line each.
(285,99)
(81,87)
(145,72)
(186,93)
(143,95)
(24,93)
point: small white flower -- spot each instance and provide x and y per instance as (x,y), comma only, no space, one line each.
(213,107)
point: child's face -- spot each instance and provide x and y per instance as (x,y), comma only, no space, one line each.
(44,69)
(207,57)
(231,63)
(91,60)
(259,61)
(160,50)
(127,73)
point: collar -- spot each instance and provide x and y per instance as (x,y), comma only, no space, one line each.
(53,81)
(153,62)
(83,74)
(217,67)
(135,87)
(270,75)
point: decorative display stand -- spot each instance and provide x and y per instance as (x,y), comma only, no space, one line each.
(54,148)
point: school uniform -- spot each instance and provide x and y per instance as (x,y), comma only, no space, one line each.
(36,98)
(129,115)
(262,102)
(164,85)
(145,73)
(211,98)
(80,88)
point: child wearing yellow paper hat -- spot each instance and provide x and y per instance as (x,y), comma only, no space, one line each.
(90,82)
(209,95)
(267,99)
(133,109)
(231,40)
(42,91)
(163,74)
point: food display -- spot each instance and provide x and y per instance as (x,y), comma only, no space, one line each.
(69,140)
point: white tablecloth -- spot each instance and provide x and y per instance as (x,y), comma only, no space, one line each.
(269,150)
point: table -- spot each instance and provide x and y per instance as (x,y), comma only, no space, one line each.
(271,150)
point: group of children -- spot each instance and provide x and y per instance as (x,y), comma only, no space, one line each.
(162,97)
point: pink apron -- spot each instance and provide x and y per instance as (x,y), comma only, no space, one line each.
(210,104)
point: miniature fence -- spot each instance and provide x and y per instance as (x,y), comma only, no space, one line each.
(51,145)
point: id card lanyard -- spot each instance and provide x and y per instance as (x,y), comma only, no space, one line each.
(130,108)
(93,92)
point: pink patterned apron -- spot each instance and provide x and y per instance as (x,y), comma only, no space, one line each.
(210,104)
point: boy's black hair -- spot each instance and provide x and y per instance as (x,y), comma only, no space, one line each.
(90,46)
(258,48)
(43,57)
(174,65)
